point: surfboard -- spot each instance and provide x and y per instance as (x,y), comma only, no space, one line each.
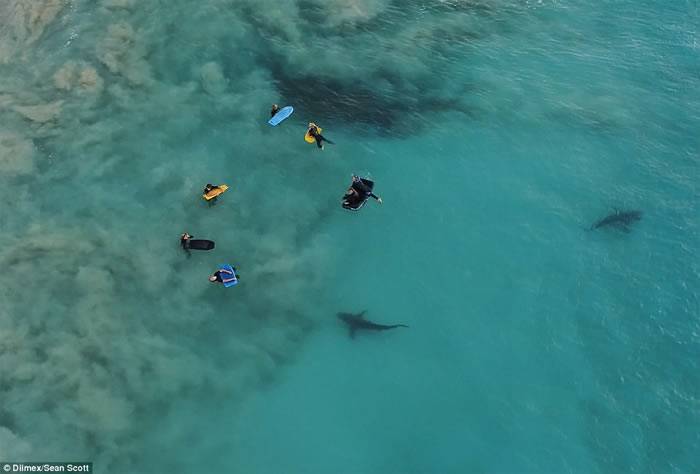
(215,192)
(281,114)
(309,138)
(228,267)
(201,244)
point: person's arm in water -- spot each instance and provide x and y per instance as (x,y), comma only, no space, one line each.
(379,200)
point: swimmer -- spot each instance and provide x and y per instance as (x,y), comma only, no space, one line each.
(314,132)
(275,108)
(224,276)
(209,188)
(358,193)
(188,242)
(358,186)
(185,242)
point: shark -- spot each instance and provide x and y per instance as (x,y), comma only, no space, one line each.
(357,322)
(620,219)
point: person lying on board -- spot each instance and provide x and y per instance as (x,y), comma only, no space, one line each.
(358,193)
(315,133)
(209,188)
(224,276)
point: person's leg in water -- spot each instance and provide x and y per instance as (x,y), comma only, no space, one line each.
(325,139)
(319,141)
(186,248)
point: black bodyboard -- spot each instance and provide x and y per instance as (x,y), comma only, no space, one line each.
(200,244)
(364,189)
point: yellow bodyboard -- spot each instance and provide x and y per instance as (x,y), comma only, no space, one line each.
(215,192)
(309,138)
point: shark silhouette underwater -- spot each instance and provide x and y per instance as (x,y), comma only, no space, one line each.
(619,219)
(357,322)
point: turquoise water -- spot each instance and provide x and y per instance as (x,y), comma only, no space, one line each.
(497,133)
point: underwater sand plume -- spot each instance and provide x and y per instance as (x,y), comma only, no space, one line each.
(72,75)
(213,80)
(123,52)
(22,22)
(115,352)
(16,154)
(40,113)
(64,77)
(90,80)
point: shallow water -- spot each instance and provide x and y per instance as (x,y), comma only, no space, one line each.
(497,133)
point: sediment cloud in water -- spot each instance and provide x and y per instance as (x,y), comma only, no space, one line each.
(78,77)
(25,21)
(94,346)
(16,154)
(111,334)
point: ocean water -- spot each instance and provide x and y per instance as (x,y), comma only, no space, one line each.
(497,132)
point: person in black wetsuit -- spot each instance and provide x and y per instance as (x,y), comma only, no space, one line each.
(316,134)
(188,243)
(275,108)
(208,188)
(185,242)
(358,193)
(221,275)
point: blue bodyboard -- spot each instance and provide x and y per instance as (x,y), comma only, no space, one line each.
(281,114)
(228,267)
